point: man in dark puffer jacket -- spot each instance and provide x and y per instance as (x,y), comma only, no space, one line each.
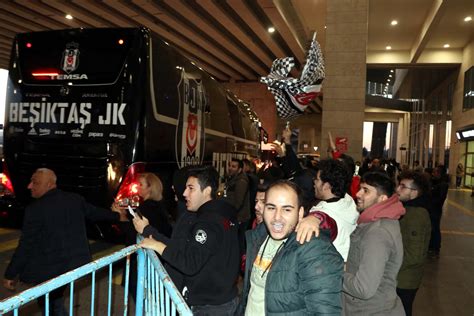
(282,276)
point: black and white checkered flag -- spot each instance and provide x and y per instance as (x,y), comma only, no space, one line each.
(292,96)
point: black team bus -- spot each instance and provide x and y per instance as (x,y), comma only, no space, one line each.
(100,106)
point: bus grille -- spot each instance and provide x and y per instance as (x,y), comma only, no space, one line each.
(80,168)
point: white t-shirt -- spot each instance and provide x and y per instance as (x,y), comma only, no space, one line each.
(258,277)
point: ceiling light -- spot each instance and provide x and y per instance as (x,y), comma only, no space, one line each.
(390,75)
(271,29)
(446,45)
(69,17)
(468,18)
(394,22)
(391,70)
(388,80)
(388,47)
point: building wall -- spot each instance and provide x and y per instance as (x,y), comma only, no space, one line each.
(461,118)
(261,101)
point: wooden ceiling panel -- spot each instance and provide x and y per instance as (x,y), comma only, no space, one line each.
(30,15)
(43,9)
(97,8)
(225,19)
(282,27)
(255,24)
(189,33)
(229,38)
(78,13)
(16,20)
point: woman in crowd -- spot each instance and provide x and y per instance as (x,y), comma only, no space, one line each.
(150,190)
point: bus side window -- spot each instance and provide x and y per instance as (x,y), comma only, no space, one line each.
(235,118)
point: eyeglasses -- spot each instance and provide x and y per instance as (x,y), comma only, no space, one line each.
(401,185)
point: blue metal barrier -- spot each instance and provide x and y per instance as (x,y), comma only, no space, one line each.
(156,293)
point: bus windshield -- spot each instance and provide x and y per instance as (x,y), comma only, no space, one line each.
(77,55)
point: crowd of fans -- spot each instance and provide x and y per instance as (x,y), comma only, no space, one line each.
(341,237)
(332,237)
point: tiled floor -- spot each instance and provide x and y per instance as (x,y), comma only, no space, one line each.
(448,282)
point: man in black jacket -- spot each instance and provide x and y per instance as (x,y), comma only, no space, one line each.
(53,239)
(439,193)
(415,226)
(204,254)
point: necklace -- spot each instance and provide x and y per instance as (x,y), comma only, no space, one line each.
(263,251)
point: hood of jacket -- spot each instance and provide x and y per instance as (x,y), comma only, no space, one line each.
(391,208)
(344,209)
(421,201)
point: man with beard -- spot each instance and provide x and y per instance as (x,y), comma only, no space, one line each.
(202,255)
(282,276)
(415,226)
(376,250)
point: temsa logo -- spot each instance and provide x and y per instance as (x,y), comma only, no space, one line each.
(69,77)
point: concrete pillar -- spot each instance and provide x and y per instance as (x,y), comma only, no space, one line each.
(344,86)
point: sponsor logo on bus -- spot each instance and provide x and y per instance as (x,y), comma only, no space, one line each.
(190,129)
(69,77)
(44,132)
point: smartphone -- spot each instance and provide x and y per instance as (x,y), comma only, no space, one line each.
(134,213)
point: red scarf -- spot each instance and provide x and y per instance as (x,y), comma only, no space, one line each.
(391,208)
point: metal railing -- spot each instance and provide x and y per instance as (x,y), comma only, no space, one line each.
(156,293)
